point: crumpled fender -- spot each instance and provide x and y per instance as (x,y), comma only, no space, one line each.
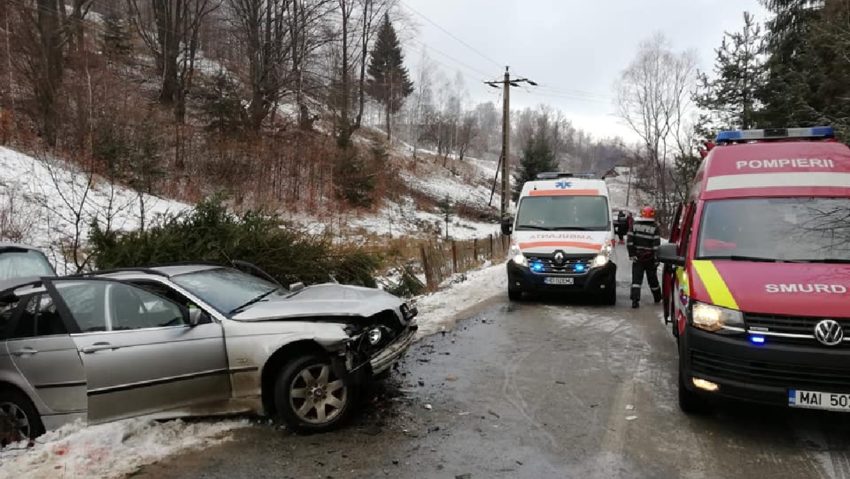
(251,344)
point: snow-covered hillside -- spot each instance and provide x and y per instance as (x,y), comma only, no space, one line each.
(48,203)
(619,191)
(465,183)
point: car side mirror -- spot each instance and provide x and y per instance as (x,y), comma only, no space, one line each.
(195,316)
(669,254)
(295,287)
(507,226)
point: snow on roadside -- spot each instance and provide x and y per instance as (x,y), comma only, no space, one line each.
(110,450)
(439,311)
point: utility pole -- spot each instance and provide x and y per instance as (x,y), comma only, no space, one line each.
(506,84)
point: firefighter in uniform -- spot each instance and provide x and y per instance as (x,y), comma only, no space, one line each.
(643,242)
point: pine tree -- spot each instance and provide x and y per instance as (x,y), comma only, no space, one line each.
(731,97)
(222,105)
(389,82)
(793,64)
(537,157)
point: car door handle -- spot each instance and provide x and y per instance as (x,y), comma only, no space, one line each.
(97,347)
(25,351)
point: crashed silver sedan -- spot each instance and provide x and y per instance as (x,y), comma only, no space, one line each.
(191,340)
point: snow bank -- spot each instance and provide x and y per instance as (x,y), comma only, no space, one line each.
(109,450)
(439,311)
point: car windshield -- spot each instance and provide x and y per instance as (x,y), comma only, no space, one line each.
(777,229)
(24,264)
(563,213)
(226,289)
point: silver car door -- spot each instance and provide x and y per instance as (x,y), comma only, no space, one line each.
(40,348)
(140,353)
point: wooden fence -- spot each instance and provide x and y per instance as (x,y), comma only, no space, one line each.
(442,259)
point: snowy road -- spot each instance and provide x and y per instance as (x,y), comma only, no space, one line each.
(540,389)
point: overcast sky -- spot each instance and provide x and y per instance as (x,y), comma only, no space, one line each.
(575,49)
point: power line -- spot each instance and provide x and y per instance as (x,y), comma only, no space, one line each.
(547,90)
(570,97)
(459,62)
(455,37)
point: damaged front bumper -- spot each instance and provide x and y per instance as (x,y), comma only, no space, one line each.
(384,359)
(380,361)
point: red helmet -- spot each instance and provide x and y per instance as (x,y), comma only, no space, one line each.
(647,212)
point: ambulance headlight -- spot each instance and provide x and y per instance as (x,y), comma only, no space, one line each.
(713,318)
(517,257)
(602,258)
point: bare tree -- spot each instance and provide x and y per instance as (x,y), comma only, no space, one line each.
(307,21)
(356,20)
(266,39)
(466,133)
(654,100)
(170,30)
(422,98)
(16,221)
(342,93)
(42,33)
(72,189)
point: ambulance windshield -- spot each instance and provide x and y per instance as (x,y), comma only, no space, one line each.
(563,213)
(777,229)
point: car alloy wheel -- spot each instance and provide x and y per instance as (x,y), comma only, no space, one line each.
(316,395)
(14,424)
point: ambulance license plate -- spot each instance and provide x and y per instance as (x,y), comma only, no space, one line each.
(819,400)
(559,281)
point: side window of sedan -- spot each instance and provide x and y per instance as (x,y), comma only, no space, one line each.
(134,308)
(113,306)
(39,317)
(86,302)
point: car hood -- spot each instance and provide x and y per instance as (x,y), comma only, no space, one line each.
(788,289)
(323,300)
(570,242)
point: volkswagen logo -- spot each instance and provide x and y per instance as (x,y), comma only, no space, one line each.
(559,257)
(829,332)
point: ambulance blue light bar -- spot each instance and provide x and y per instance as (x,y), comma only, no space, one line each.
(554,175)
(736,136)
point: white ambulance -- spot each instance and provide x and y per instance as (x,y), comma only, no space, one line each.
(562,239)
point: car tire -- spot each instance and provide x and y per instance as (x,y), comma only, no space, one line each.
(690,402)
(311,398)
(514,294)
(609,295)
(19,419)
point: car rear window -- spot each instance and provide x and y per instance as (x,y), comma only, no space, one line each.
(24,264)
